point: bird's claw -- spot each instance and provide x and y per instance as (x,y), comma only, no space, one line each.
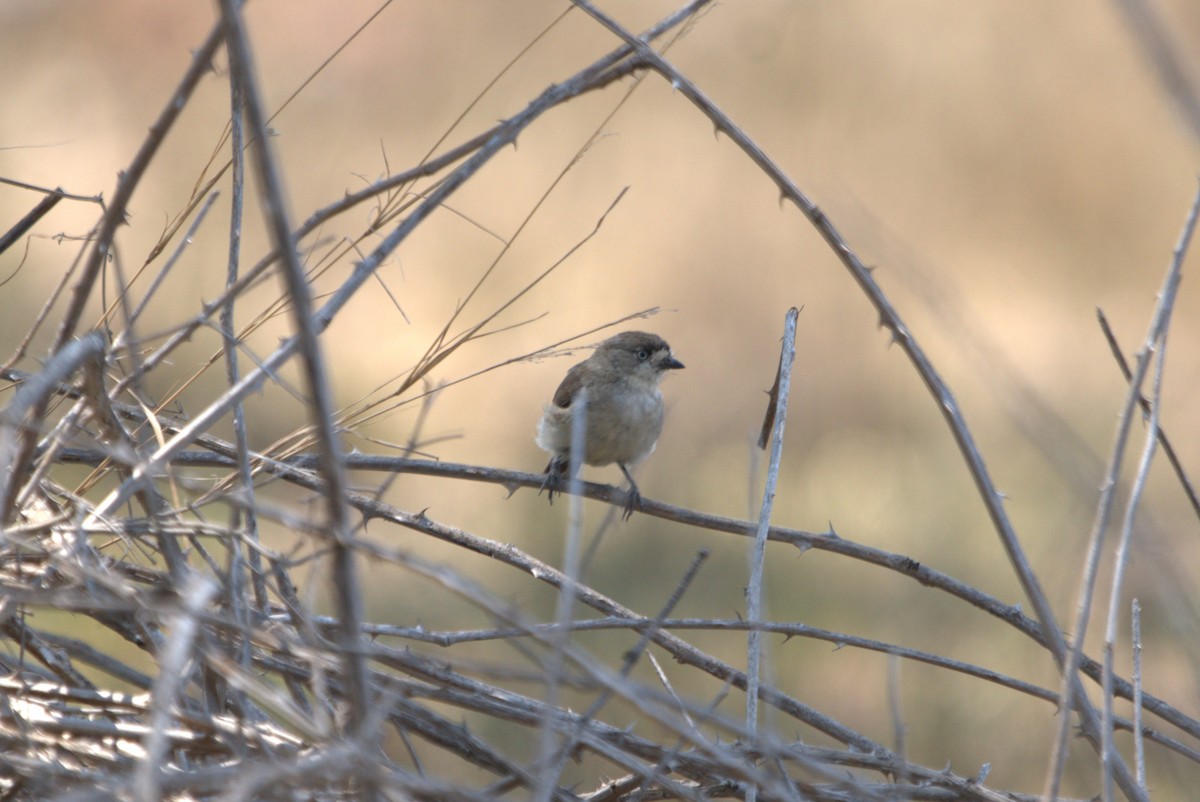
(556,472)
(552,484)
(633,501)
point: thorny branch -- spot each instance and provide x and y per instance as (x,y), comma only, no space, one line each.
(236,699)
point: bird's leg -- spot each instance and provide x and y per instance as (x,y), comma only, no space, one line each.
(556,472)
(633,500)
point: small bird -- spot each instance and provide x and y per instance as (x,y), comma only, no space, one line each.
(624,414)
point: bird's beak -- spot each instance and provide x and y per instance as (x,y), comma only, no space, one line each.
(671,363)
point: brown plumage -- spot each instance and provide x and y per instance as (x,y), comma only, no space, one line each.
(624,415)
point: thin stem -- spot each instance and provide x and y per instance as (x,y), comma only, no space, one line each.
(333,472)
(754,593)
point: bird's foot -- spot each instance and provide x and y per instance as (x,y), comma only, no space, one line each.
(633,501)
(556,472)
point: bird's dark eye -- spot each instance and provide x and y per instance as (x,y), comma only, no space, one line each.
(642,354)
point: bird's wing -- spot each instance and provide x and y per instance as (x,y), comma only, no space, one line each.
(567,391)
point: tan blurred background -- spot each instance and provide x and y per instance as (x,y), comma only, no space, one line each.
(1008,167)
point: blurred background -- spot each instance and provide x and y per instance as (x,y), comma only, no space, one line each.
(1007,168)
